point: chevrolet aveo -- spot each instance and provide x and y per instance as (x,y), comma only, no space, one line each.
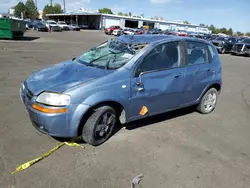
(122,80)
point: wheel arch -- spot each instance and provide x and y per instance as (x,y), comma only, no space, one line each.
(215,85)
(119,108)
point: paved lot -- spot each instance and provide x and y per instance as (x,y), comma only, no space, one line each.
(180,149)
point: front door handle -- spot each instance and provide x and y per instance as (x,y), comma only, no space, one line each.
(140,86)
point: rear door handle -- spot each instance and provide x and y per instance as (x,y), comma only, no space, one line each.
(177,76)
(210,70)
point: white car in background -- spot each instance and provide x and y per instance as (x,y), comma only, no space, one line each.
(63,25)
(117,32)
(129,31)
(51,24)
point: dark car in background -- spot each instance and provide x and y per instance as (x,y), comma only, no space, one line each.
(110,30)
(154,31)
(241,48)
(224,44)
(40,27)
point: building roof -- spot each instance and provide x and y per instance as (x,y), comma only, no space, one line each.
(125,17)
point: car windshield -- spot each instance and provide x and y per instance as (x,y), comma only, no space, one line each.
(109,55)
(246,41)
(61,22)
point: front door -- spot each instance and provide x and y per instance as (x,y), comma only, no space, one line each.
(158,81)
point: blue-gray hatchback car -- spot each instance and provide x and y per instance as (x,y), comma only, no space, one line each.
(122,80)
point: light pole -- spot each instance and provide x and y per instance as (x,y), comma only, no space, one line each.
(64,7)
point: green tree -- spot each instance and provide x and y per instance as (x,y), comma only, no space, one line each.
(18,9)
(247,34)
(239,33)
(213,29)
(105,11)
(54,9)
(57,8)
(186,22)
(120,13)
(31,11)
(223,30)
(126,14)
(230,31)
(202,25)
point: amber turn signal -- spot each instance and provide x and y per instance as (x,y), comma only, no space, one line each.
(48,110)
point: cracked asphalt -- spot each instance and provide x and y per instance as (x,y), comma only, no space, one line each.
(181,149)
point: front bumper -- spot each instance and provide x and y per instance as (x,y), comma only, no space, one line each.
(58,124)
(219,48)
(43,29)
(240,52)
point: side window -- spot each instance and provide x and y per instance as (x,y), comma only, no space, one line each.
(164,56)
(196,53)
(211,54)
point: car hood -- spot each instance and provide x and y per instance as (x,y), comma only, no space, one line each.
(217,41)
(62,76)
(241,43)
(63,25)
(53,24)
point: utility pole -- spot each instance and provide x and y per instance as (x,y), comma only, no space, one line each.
(64,7)
(36,5)
(50,2)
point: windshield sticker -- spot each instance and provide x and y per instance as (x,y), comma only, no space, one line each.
(128,56)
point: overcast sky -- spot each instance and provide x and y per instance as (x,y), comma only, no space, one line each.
(221,13)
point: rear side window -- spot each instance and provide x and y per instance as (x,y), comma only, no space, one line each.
(196,53)
(211,54)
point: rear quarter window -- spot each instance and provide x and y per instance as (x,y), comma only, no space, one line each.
(212,53)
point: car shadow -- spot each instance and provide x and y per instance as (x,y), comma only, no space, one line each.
(156,119)
(26,38)
(139,123)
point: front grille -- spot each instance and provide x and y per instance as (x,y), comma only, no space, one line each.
(238,47)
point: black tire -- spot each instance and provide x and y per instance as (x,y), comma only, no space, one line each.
(89,132)
(232,53)
(201,107)
(223,50)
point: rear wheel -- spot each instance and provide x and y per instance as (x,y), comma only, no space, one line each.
(208,101)
(99,126)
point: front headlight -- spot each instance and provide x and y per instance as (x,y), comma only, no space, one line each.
(53,99)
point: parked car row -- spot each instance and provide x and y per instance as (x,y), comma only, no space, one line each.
(51,25)
(233,45)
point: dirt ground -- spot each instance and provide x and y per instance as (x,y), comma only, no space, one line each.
(180,149)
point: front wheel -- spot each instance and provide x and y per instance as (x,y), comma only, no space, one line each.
(208,101)
(223,50)
(99,126)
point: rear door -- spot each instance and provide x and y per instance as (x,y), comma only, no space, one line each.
(158,79)
(199,73)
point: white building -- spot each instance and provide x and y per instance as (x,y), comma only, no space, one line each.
(98,21)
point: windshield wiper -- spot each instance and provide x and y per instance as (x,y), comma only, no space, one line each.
(91,62)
